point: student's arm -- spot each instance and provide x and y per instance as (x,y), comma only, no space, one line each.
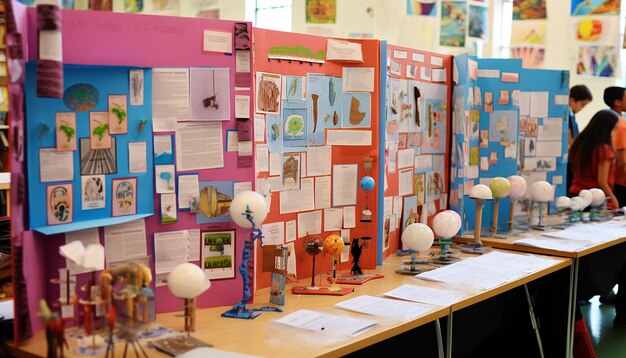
(603,183)
(620,156)
(569,139)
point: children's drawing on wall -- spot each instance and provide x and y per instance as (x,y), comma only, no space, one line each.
(433,135)
(218,252)
(415,107)
(503,128)
(215,199)
(415,140)
(268,86)
(532,127)
(118,114)
(540,164)
(294,127)
(93,189)
(503,100)
(163,149)
(419,186)
(595,7)
(529,9)
(66,131)
(124,196)
(97,161)
(493,158)
(598,61)
(321,11)
(531,56)
(453,14)
(81,97)
(474,117)
(386,228)
(294,88)
(290,171)
(274,133)
(411,71)
(356,110)
(169,214)
(99,130)
(529,32)
(60,204)
(398,96)
(332,108)
(530,147)
(478,25)
(473,156)
(434,185)
(316,105)
(488,102)
(484,138)
(209,94)
(421,7)
(477,97)
(164,178)
(136,87)
(402,140)
(409,211)
(395,68)
(523,124)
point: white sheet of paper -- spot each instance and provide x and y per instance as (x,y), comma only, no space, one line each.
(551,129)
(87,236)
(384,307)
(549,148)
(188,188)
(344,184)
(333,219)
(232,141)
(275,163)
(438,75)
(349,217)
(290,231)
(405,181)
(262,158)
(259,127)
(388,206)
(341,50)
(303,166)
(406,157)
(349,137)
(55,166)
(561,99)
(170,97)
(358,79)
(524,103)
(433,296)
(137,157)
(242,106)
(539,103)
(193,237)
(126,241)
(318,160)
(242,61)
(292,201)
(217,41)
(328,323)
(50,45)
(171,249)
(322,192)
(241,187)
(199,145)
(417,57)
(424,162)
(274,233)
(244,148)
(309,223)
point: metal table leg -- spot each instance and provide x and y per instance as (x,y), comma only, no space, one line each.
(439,338)
(449,336)
(533,320)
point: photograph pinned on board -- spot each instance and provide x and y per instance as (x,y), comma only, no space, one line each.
(209,94)
(118,114)
(290,171)
(60,204)
(268,92)
(97,161)
(218,254)
(66,131)
(503,100)
(434,185)
(124,196)
(99,130)
(93,192)
(215,199)
(532,127)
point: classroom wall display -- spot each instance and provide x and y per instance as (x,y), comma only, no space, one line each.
(315,130)
(416,123)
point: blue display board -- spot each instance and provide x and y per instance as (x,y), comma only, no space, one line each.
(96,84)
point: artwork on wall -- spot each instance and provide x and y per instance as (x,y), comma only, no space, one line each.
(321,11)
(453,18)
(66,131)
(99,130)
(209,94)
(93,192)
(356,110)
(529,9)
(531,56)
(97,161)
(595,7)
(421,7)
(478,25)
(118,114)
(268,87)
(529,32)
(218,254)
(215,199)
(597,61)
(81,97)
(124,196)
(290,171)
(60,204)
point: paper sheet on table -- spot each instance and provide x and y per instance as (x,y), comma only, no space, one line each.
(588,232)
(137,156)
(188,188)
(170,97)
(309,223)
(554,244)
(55,165)
(318,161)
(384,307)
(433,296)
(199,145)
(327,323)
(322,192)
(344,184)
(126,241)
(341,50)
(539,103)
(274,233)
(358,79)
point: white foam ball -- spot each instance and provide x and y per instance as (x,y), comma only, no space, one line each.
(187,281)
(418,237)
(252,201)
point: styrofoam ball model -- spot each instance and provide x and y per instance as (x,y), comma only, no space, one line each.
(481,191)
(248,200)
(578,203)
(333,245)
(563,202)
(418,237)
(598,196)
(518,186)
(500,187)
(447,223)
(587,196)
(187,281)
(541,191)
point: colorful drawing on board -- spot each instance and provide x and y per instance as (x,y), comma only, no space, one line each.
(504,97)
(409,211)
(290,171)
(136,87)
(164,178)
(118,114)
(532,127)
(478,26)
(356,110)
(218,252)
(93,189)
(317,105)
(333,100)
(529,9)
(133,5)
(97,161)
(169,214)
(99,130)
(321,11)
(101,5)
(503,127)
(595,7)
(589,30)
(419,186)
(66,131)
(488,102)
(434,185)
(473,156)
(402,140)
(163,149)
(81,97)
(415,140)
(297,53)
(164,5)
(124,195)
(531,56)
(242,34)
(215,199)
(415,101)
(597,61)
(60,205)
(529,32)
(274,133)
(434,132)
(421,7)
(386,228)
(268,87)
(452,30)
(474,123)
(295,127)
(294,88)
(399,98)
(209,94)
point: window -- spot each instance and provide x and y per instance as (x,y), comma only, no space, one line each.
(273,14)
(503,21)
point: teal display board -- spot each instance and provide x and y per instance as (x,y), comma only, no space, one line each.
(103,189)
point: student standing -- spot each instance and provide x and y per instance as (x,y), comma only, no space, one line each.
(579,97)
(615,98)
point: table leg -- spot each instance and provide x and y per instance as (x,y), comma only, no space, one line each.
(533,320)
(439,338)
(449,337)
(573,283)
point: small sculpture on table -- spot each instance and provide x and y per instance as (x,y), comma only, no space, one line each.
(500,188)
(333,245)
(541,192)
(356,275)
(55,333)
(563,204)
(417,237)
(313,246)
(598,205)
(517,190)
(480,193)
(356,249)
(578,205)
(446,224)
(588,197)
